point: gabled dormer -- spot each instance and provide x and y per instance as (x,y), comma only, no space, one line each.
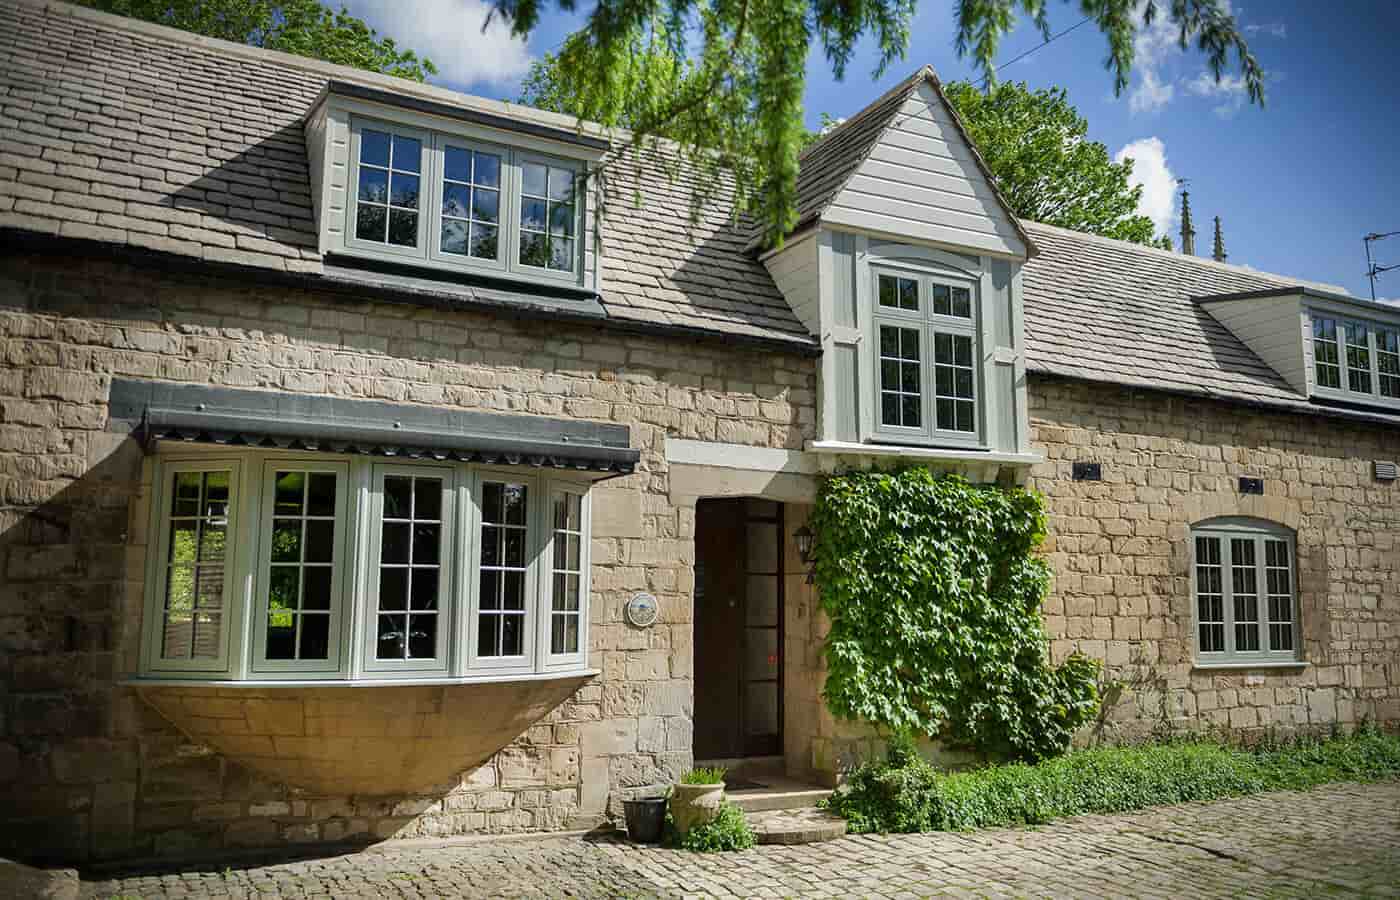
(1329,347)
(451,190)
(906,264)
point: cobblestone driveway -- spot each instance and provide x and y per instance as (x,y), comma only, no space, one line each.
(1341,840)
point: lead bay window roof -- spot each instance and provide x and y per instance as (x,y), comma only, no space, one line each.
(163,411)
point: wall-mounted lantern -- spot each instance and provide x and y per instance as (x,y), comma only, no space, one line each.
(805,540)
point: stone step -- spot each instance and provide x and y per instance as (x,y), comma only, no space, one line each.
(796,826)
(763,800)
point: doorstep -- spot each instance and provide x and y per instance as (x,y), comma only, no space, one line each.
(776,792)
(796,826)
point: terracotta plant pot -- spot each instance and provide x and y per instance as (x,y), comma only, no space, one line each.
(696,804)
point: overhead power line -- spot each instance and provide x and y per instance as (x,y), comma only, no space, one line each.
(1054,37)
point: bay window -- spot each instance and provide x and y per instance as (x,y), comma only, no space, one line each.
(276,565)
(1245,592)
(926,358)
(463,203)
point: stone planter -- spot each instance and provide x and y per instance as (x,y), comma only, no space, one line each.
(696,804)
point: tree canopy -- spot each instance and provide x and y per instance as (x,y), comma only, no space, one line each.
(741,90)
(1036,146)
(303,27)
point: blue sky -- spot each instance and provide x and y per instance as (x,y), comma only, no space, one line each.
(1296,184)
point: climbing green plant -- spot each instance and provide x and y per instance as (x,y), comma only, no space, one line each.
(934,588)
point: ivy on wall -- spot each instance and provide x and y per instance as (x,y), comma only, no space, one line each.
(934,591)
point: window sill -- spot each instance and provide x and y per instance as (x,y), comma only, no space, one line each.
(378,681)
(1263,664)
(951,454)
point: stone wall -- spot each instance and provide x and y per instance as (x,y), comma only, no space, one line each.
(1121,556)
(88,770)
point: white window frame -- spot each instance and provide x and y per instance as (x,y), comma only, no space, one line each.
(159,535)
(577,659)
(441,663)
(342,574)
(426,193)
(527,661)
(1259,531)
(1344,317)
(928,323)
(354,586)
(432,168)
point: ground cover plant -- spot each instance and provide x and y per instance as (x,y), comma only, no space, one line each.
(904,793)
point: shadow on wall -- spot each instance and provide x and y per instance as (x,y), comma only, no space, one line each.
(89,771)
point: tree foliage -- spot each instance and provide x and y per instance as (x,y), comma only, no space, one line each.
(1036,145)
(303,27)
(742,95)
(934,590)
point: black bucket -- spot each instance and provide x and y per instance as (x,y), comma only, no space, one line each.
(645,819)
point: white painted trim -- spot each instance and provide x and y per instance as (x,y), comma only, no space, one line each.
(550,675)
(1236,666)
(951,454)
(738,456)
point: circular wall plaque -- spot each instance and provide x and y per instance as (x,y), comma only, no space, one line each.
(641,610)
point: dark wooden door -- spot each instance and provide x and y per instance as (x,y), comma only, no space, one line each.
(738,629)
(719,628)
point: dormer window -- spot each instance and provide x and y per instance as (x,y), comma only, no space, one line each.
(1355,359)
(456,190)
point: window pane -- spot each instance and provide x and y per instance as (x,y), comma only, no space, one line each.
(320,539)
(185,494)
(422,637)
(456,164)
(561,220)
(391,643)
(888,291)
(393,588)
(533,177)
(425,588)
(183,537)
(908,294)
(370,223)
(1388,362)
(901,402)
(398,497)
(534,249)
(427,499)
(561,254)
(561,185)
(532,214)
(942,300)
(488,636)
(962,302)
(454,237)
(374,147)
(456,200)
(1244,583)
(403,190)
(488,170)
(315,636)
(281,638)
(403,228)
(395,538)
(1327,365)
(374,185)
(213,534)
(286,540)
(484,242)
(316,588)
(427,541)
(512,635)
(501,592)
(486,205)
(321,494)
(408,153)
(291,489)
(1279,583)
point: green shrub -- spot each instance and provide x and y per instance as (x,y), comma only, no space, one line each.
(705,775)
(729,831)
(934,588)
(903,793)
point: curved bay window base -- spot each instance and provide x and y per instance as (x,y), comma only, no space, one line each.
(372,741)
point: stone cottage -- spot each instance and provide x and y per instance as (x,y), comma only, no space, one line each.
(381,461)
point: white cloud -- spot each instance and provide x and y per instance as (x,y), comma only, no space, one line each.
(1150,94)
(1230,89)
(1150,170)
(449,33)
(1268,29)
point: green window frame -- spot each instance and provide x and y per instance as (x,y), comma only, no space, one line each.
(1244,592)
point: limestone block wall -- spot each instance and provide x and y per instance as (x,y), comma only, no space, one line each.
(88,770)
(1121,556)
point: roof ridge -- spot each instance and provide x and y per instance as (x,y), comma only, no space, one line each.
(1205,262)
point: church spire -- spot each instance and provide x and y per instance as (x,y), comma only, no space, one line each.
(1188,233)
(1218,251)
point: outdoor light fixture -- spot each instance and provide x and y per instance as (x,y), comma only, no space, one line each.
(805,539)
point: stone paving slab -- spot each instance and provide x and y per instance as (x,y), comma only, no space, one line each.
(1342,840)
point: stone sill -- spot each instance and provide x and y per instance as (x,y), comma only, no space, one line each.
(1238,666)
(372,682)
(951,454)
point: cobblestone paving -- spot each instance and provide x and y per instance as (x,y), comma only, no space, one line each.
(1342,841)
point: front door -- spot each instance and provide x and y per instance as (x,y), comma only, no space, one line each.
(738,629)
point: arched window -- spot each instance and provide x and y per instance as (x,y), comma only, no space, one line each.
(1244,588)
